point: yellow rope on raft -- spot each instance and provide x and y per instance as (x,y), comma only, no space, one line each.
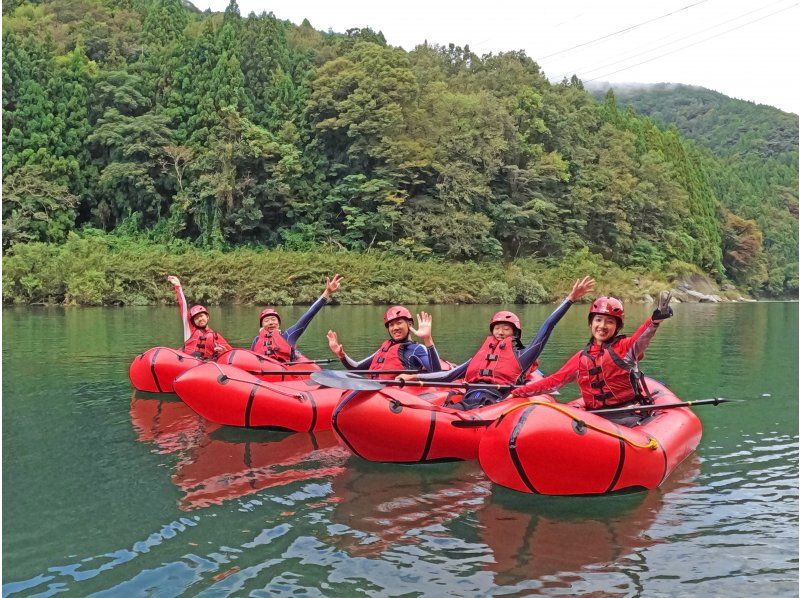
(652,444)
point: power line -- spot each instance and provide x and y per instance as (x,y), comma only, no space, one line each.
(675,41)
(631,28)
(690,45)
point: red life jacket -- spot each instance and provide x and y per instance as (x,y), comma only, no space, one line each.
(201,343)
(389,357)
(494,363)
(273,345)
(607,380)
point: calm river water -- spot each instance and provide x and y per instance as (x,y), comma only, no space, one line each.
(110,492)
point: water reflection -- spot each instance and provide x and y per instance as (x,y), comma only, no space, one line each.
(382,506)
(382,510)
(217,463)
(536,537)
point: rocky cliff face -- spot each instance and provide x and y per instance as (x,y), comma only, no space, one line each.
(701,289)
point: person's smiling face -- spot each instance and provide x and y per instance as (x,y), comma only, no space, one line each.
(502,331)
(603,327)
(270,323)
(398,329)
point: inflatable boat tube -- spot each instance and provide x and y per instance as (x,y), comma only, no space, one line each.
(226,395)
(156,369)
(562,449)
(252,362)
(419,427)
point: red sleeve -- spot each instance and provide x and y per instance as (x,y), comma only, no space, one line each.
(565,375)
(221,341)
(188,327)
(633,347)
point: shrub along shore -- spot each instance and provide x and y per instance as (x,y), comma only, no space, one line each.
(99,269)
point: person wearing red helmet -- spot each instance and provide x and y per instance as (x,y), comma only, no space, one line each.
(502,358)
(607,369)
(199,339)
(398,352)
(282,345)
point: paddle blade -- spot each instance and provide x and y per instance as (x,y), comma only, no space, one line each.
(344,380)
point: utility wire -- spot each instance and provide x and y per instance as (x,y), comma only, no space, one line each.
(690,45)
(631,28)
(639,53)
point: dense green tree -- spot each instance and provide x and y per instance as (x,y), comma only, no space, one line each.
(164,23)
(36,208)
(150,118)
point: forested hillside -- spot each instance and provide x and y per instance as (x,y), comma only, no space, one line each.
(752,156)
(155,122)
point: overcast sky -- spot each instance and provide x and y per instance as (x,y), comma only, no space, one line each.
(746,49)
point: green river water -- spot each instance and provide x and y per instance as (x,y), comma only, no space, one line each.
(111,492)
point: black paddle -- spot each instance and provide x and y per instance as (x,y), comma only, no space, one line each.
(307,372)
(477,423)
(349,381)
(330,360)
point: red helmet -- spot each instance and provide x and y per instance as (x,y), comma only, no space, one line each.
(608,306)
(267,312)
(506,317)
(197,309)
(394,312)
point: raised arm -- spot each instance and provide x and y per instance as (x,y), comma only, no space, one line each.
(295,331)
(633,347)
(338,350)
(184,309)
(426,352)
(531,353)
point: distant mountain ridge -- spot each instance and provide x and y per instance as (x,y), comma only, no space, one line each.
(724,124)
(752,152)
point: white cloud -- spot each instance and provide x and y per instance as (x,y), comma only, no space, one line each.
(742,49)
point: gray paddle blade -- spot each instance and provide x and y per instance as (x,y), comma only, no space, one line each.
(344,380)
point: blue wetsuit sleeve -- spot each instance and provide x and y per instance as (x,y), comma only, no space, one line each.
(531,353)
(445,376)
(293,333)
(352,364)
(419,358)
(253,346)
(433,359)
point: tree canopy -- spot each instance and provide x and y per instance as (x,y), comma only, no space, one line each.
(147,118)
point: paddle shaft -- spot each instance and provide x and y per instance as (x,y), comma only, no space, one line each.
(465,385)
(309,372)
(310,361)
(714,401)
(477,423)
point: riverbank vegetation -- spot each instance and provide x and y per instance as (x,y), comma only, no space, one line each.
(275,152)
(95,268)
